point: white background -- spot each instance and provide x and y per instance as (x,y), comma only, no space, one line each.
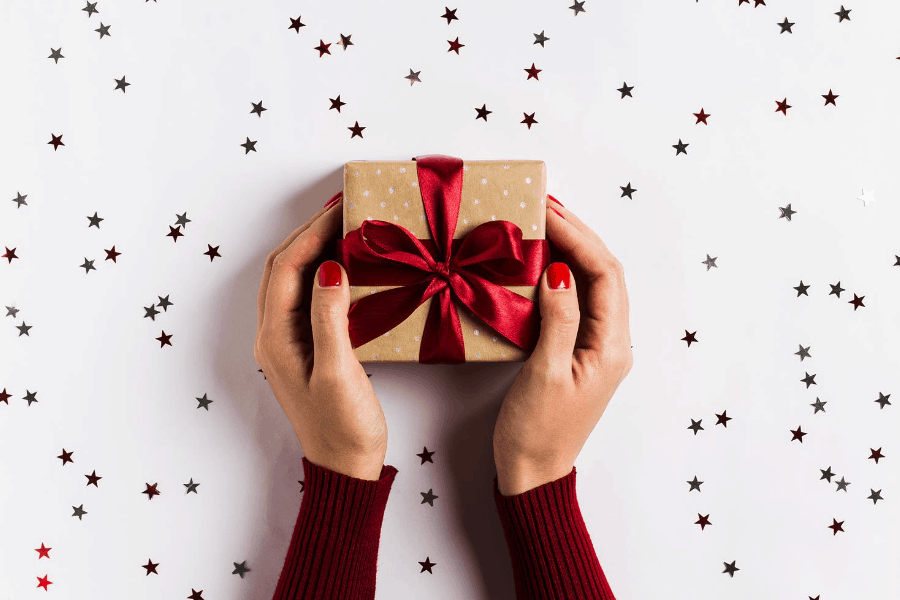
(171,143)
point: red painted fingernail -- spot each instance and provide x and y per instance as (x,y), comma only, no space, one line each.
(556,211)
(555,200)
(329,274)
(558,276)
(333,200)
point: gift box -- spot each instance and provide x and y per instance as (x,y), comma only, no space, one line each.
(444,258)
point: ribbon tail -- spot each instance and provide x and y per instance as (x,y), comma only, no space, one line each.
(442,338)
(515,317)
(376,314)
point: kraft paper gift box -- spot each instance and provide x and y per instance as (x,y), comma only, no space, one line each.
(508,194)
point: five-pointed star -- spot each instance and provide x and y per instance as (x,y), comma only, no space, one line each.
(454,45)
(4,396)
(94,221)
(483,112)
(174,232)
(43,582)
(336,103)
(701,117)
(710,262)
(782,106)
(836,525)
(345,41)
(689,337)
(66,456)
(93,478)
(182,219)
(296,24)
(876,454)
(426,565)
(723,419)
(533,72)
(103,29)
(703,521)
(56,141)
(121,84)
(625,90)
(10,254)
(88,266)
(165,303)
(866,197)
(680,147)
(801,289)
(111,254)
(11,311)
(528,120)
(809,380)
(413,77)
(730,569)
(31,397)
(842,14)
(151,491)
(450,15)
(425,455)
(203,402)
(195,595)
(803,352)
(151,566)
(257,109)
(20,199)
(164,339)
(356,130)
(212,252)
(798,434)
(830,98)
(43,551)
(819,405)
(786,212)
(627,190)
(842,485)
(322,48)
(23,329)
(428,497)
(578,7)
(91,8)
(540,38)
(826,474)
(56,55)
(240,569)
(836,289)
(874,496)
(883,400)
(856,302)
(248,146)
(79,511)
(786,26)
(695,426)
(695,485)
(191,487)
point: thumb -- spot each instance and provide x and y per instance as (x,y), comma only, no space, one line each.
(560,317)
(328,315)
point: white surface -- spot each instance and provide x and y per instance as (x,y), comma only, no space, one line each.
(171,144)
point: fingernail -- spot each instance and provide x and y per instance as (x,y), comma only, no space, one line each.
(329,274)
(555,200)
(556,211)
(558,276)
(333,200)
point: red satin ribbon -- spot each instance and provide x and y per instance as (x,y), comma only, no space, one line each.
(470,270)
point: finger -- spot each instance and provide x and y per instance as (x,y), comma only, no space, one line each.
(560,318)
(569,216)
(328,316)
(267,269)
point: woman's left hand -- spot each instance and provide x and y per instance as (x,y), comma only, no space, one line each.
(307,358)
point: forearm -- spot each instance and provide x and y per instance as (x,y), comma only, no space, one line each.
(334,547)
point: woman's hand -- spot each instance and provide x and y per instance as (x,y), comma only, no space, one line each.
(303,347)
(581,357)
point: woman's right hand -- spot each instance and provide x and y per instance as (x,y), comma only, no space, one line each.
(580,359)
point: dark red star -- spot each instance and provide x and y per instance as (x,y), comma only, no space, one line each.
(174,232)
(43,582)
(56,141)
(723,419)
(425,455)
(758,2)
(336,103)
(212,253)
(322,48)
(356,130)
(703,522)
(689,337)
(195,595)
(151,566)
(426,565)
(856,302)
(302,485)
(93,478)
(112,254)
(151,491)
(455,45)
(296,24)
(66,456)
(483,112)
(4,397)
(836,525)
(701,117)
(43,551)
(528,120)
(10,254)
(533,72)
(450,15)
(876,454)
(830,97)
(164,339)
(798,435)
(782,106)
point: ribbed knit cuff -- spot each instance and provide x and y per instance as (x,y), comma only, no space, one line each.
(334,547)
(552,554)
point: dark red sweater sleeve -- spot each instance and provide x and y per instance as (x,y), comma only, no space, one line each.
(552,554)
(334,548)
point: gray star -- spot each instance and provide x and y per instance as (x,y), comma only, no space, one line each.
(164,303)
(20,199)
(103,29)
(819,406)
(680,147)
(30,397)
(56,55)
(801,289)
(79,511)
(240,569)
(803,352)
(882,399)
(88,266)
(428,497)
(204,402)
(191,487)
(710,262)
(578,7)
(897,259)
(121,84)
(786,26)
(695,425)
(91,8)
(730,569)
(836,289)
(875,496)
(627,191)
(540,38)
(95,220)
(625,90)
(11,311)
(23,329)
(413,77)
(150,312)
(694,484)
(786,212)
(809,379)
(257,109)
(248,146)
(182,219)
(826,474)
(842,485)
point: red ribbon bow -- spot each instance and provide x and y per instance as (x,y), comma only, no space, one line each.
(470,270)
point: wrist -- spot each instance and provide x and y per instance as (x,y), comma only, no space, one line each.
(520,478)
(358,467)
